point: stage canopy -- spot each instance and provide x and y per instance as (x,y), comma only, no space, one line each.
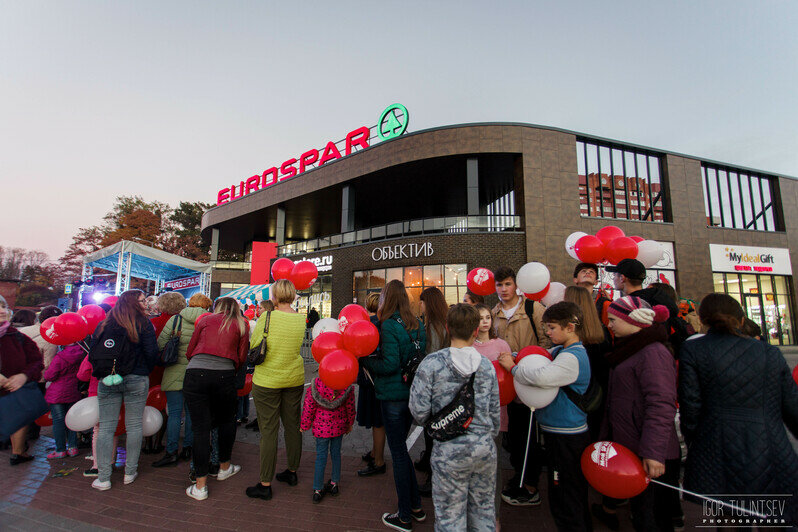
(131,259)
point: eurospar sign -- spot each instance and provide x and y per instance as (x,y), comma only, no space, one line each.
(180,284)
(392,123)
(734,259)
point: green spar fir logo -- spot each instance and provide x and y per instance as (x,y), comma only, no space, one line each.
(393,121)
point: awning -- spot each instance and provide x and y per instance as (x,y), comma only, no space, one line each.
(252,294)
(147,262)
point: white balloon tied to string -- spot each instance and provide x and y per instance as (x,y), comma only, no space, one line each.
(570,242)
(325,325)
(555,294)
(649,252)
(532,277)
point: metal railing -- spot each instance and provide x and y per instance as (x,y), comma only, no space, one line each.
(424,226)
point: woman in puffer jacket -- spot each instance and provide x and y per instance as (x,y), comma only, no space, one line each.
(736,395)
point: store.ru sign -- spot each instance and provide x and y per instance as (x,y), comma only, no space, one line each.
(392,123)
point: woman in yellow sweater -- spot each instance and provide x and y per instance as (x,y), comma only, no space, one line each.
(277,387)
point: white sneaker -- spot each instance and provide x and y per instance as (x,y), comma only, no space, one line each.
(195,493)
(130,478)
(224,474)
(88,457)
(100,485)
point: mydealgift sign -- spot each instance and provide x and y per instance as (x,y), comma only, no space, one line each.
(735,259)
(393,122)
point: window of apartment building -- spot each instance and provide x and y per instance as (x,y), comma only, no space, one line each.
(619,182)
(449,278)
(740,199)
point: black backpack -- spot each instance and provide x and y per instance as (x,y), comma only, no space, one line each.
(410,366)
(112,352)
(453,419)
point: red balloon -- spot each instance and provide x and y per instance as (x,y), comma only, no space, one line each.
(156,398)
(506,386)
(619,249)
(120,425)
(532,350)
(111,300)
(250,314)
(281,269)
(338,369)
(47,330)
(350,314)
(589,248)
(325,343)
(637,238)
(480,281)
(613,470)
(303,274)
(537,296)
(609,233)
(93,314)
(247,386)
(361,338)
(71,327)
(46,420)
(795,375)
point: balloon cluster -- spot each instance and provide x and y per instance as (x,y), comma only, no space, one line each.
(533,279)
(611,245)
(85,414)
(337,343)
(71,327)
(302,274)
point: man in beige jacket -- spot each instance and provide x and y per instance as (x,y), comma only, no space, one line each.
(513,324)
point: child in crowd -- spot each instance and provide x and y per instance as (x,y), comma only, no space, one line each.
(463,468)
(84,374)
(563,424)
(331,414)
(62,374)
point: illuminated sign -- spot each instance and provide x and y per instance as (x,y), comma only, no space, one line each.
(393,122)
(180,284)
(402,251)
(323,264)
(750,259)
(67,288)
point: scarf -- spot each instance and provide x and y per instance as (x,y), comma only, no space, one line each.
(625,347)
(328,404)
(4,327)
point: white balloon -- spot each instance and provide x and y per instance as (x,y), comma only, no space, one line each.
(555,294)
(570,242)
(649,252)
(83,415)
(532,277)
(152,421)
(532,396)
(325,325)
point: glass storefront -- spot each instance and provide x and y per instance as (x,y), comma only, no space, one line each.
(318,296)
(766,299)
(449,278)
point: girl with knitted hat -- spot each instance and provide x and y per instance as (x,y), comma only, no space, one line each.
(641,403)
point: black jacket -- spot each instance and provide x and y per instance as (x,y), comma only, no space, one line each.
(736,395)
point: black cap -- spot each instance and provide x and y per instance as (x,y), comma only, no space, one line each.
(631,268)
(585,266)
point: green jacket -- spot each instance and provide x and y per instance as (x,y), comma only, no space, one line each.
(396,347)
(173,375)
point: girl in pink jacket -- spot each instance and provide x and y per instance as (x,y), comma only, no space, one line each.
(61,394)
(331,414)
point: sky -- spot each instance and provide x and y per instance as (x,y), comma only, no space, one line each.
(172,100)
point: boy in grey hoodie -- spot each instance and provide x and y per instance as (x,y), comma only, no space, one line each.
(463,468)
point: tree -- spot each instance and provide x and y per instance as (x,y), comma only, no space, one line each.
(185,240)
(138,224)
(88,240)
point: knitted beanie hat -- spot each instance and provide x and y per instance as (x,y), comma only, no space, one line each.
(639,313)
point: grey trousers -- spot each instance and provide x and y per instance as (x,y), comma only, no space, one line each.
(133,391)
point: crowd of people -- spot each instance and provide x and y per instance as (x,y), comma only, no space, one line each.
(655,364)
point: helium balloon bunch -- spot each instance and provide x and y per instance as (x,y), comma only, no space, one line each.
(611,245)
(302,274)
(338,343)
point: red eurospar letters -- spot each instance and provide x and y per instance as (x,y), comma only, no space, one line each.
(287,170)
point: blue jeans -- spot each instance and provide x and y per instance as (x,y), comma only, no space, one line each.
(334,446)
(243,407)
(64,438)
(133,390)
(174,411)
(397,419)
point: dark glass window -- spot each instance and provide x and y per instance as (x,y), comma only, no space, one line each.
(740,199)
(618,181)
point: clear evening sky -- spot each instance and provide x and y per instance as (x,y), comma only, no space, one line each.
(172,100)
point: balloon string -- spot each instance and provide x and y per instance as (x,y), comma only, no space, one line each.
(83,346)
(528,437)
(733,507)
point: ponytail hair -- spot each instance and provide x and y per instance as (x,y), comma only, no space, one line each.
(722,313)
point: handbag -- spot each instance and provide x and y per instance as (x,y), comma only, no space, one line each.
(21,408)
(453,419)
(257,355)
(170,352)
